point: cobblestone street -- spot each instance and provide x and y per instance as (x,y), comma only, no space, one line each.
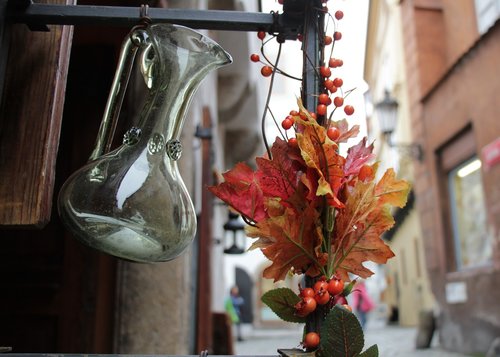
(391,340)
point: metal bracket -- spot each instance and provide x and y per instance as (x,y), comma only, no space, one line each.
(23,5)
(45,14)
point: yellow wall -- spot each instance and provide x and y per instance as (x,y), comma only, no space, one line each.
(408,283)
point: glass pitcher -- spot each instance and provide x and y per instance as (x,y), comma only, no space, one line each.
(132,202)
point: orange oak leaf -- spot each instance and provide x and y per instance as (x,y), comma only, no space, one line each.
(360,225)
(291,241)
(391,190)
(320,153)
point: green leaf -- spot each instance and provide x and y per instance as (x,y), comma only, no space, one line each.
(282,302)
(371,352)
(348,288)
(341,334)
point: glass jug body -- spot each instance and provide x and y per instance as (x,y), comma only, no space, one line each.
(132,202)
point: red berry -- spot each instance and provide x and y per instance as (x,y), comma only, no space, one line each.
(323,98)
(335,286)
(332,62)
(338,101)
(320,285)
(335,62)
(254,57)
(328,84)
(293,142)
(325,71)
(294,113)
(338,82)
(328,40)
(280,2)
(305,306)
(322,297)
(307,292)
(266,71)
(337,35)
(287,123)
(321,109)
(333,133)
(349,109)
(339,15)
(261,35)
(311,340)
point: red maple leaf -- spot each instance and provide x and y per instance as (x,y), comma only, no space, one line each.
(357,156)
(241,190)
(345,132)
(280,176)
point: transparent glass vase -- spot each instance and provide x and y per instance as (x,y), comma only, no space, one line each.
(132,202)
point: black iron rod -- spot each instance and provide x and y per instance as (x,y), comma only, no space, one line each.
(50,14)
(313,25)
(312,53)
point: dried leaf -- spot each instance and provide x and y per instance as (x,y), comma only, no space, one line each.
(391,190)
(241,190)
(360,225)
(320,154)
(291,241)
(357,156)
(345,132)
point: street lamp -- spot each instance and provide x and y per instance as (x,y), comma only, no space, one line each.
(234,229)
(387,115)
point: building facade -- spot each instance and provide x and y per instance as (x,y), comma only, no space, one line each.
(407,293)
(451,50)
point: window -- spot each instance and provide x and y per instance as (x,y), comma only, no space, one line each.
(473,246)
(487,12)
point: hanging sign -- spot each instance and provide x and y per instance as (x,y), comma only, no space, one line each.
(491,154)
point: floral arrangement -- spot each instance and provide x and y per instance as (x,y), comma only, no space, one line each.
(317,213)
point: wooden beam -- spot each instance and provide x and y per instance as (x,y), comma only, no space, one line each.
(30,123)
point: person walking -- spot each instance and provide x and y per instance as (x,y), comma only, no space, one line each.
(233,306)
(361,302)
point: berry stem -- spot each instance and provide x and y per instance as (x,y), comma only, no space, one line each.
(266,108)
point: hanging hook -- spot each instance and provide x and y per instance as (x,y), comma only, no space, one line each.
(144,14)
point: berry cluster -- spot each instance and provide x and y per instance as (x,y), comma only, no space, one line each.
(292,119)
(324,293)
(331,96)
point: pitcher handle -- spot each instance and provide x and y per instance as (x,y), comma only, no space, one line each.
(137,38)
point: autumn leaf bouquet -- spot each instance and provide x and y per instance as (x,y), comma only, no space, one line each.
(313,211)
